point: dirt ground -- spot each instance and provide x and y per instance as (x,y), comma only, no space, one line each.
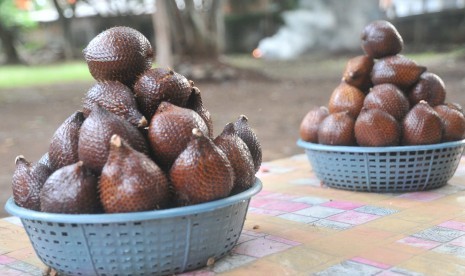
(274,95)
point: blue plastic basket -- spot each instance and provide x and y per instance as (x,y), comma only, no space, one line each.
(160,242)
(384,169)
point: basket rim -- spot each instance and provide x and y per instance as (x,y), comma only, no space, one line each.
(359,149)
(24,213)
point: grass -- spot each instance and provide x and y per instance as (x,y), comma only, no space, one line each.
(25,76)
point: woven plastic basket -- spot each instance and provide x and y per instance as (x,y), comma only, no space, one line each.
(162,242)
(384,169)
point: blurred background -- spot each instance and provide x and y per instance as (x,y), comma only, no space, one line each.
(270,60)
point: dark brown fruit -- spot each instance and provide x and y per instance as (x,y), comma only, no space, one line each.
(71,190)
(421,126)
(246,133)
(337,129)
(453,123)
(455,106)
(310,123)
(202,172)
(376,128)
(63,149)
(120,54)
(239,156)
(161,84)
(27,182)
(45,160)
(116,98)
(170,131)
(131,181)
(389,98)
(398,70)
(195,103)
(348,98)
(429,88)
(380,39)
(358,72)
(96,131)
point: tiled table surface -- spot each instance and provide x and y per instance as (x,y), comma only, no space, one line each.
(295,226)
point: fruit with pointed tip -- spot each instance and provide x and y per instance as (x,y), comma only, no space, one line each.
(421,126)
(247,134)
(63,148)
(358,72)
(27,182)
(71,189)
(453,123)
(195,103)
(202,172)
(95,134)
(388,98)
(116,98)
(376,128)
(429,88)
(170,131)
(398,70)
(310,123)
(131,181)
(119,53)
(346,97)
(337,129)
(160,84)
(380,39)
(239,156)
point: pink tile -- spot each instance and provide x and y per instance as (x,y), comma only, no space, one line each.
(244,238)
(390,273)
(457,225)
(344,205)
(260,247)
(263,193)
(6,260)
(422,196)
(286,206)
(260,202)
(416,242)
(370,262)
(281,196)
(459,241)
(252,233)
(353,217)
(279,239)
(261,211)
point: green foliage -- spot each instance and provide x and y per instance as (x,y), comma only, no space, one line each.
(27,76)
(12,17)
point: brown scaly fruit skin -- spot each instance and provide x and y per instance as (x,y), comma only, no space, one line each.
(45,160)
(421,126)
(453,123)
(131,181)
(27,182)
(337,129)
(398,70)
(201,173)
(195,103)
(239,156)
(346,97)
(455,106)
(380,39)
(95,134)
(63,148)
(429,88)
(170,132)
(71,190)
(388,98)
(160,84)
(116,98)
(120,54)
(310,123)
(376,128)
(246,133)
(358,72)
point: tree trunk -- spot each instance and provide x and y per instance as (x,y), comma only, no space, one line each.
(164,55)
(66,29)
(8,44)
